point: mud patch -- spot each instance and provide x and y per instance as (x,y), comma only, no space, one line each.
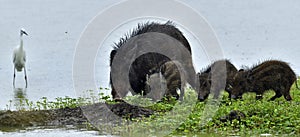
(72,116)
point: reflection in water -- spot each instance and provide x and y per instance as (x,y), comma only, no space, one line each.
(20,98)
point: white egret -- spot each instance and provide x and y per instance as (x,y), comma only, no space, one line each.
(19,58)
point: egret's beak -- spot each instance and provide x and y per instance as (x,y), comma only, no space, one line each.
(25,33)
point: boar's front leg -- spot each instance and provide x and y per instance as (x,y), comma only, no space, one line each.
(286,93)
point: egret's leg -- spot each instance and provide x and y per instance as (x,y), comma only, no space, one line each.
(25,76)
(14,77)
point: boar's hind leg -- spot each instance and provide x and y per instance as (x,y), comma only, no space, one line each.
(277,95)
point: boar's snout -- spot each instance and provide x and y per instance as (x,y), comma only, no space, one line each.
(234,97)
(201,98)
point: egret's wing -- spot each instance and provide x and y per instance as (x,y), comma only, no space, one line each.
(24,57)
(14,56)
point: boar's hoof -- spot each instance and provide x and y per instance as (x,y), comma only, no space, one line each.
(236,97)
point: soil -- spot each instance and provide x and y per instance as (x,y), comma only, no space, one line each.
(95,113)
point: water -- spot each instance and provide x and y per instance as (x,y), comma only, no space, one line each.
(249,32)
(51,133)
(50,46)
(54,27)
(246,38)
(252,31)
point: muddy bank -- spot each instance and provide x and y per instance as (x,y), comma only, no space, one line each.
(99,113)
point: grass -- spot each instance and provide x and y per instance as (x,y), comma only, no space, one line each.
(44,103)
(278,118)
(192,118)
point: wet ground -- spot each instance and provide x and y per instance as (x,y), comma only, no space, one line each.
(51,132)
(110,114)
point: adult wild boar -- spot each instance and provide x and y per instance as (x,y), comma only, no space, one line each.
(224,71)
(144,51)
(269,75)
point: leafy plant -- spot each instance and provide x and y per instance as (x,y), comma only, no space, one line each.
(190,117)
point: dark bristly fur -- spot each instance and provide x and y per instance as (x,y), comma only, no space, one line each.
(205,79)
(167,28)
(270,75)
(144,64)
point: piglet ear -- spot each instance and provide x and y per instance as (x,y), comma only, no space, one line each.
(241,70)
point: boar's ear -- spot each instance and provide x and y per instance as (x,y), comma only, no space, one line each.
(241,70)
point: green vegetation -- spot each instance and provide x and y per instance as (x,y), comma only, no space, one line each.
(279,117)
(190,117)
(23,104)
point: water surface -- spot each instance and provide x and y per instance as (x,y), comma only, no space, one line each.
(248,31)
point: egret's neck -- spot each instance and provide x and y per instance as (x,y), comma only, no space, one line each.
(21,42)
